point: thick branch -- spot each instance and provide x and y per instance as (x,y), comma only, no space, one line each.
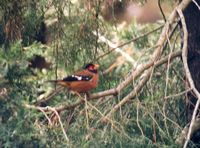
(141,68)
(156,55)
(104,93)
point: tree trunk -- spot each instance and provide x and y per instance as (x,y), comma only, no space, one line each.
(192,17)
(13,20)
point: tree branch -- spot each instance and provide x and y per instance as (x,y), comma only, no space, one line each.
(161,10)
(156,55)
(141,68)
(103,93)
(130,41)
(48,108)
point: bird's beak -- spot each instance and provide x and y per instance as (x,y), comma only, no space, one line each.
(96,66)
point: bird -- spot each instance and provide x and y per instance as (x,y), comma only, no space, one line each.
(81,81)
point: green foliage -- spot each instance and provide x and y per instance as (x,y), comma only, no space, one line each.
(148,120)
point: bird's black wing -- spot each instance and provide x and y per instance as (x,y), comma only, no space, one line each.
(77,78)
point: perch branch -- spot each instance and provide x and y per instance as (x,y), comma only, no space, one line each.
(140,69)
(104,93)
(113,91)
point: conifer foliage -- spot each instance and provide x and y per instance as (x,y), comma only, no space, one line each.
(141,97)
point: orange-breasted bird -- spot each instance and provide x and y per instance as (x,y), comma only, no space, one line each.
(82,81)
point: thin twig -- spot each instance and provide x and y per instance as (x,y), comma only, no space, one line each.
(52,109)
(178,94)
(86,111)
(50,95)
(196,4)
(137,119)
(130,41)
(114,90)
(161,10)
(166,85)
(49,120)
(117,49)
(155,57)
(62,127)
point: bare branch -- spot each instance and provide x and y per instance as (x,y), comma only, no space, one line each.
(141,68)
(179,94)
(52,109)
(50,95)
(161,10)
(156,55)
(111,91)
(196,4)
(130,41)
(117,48)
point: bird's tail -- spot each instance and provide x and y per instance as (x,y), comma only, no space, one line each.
(58,82)
(55,81)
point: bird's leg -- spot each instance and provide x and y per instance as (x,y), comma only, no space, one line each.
(86,107)
(87,94)
(77,94)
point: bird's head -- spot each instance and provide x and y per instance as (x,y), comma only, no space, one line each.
(92,67)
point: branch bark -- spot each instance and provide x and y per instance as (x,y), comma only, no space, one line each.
(156,55)
(104,93)
(139,69)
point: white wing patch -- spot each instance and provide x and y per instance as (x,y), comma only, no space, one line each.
(77,78)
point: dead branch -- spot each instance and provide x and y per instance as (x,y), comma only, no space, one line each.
(130,41)
(103,93)
(156,55)
(139,69)
(194,1)
(50,95)
(48,108)
(161,10)
(113,91)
